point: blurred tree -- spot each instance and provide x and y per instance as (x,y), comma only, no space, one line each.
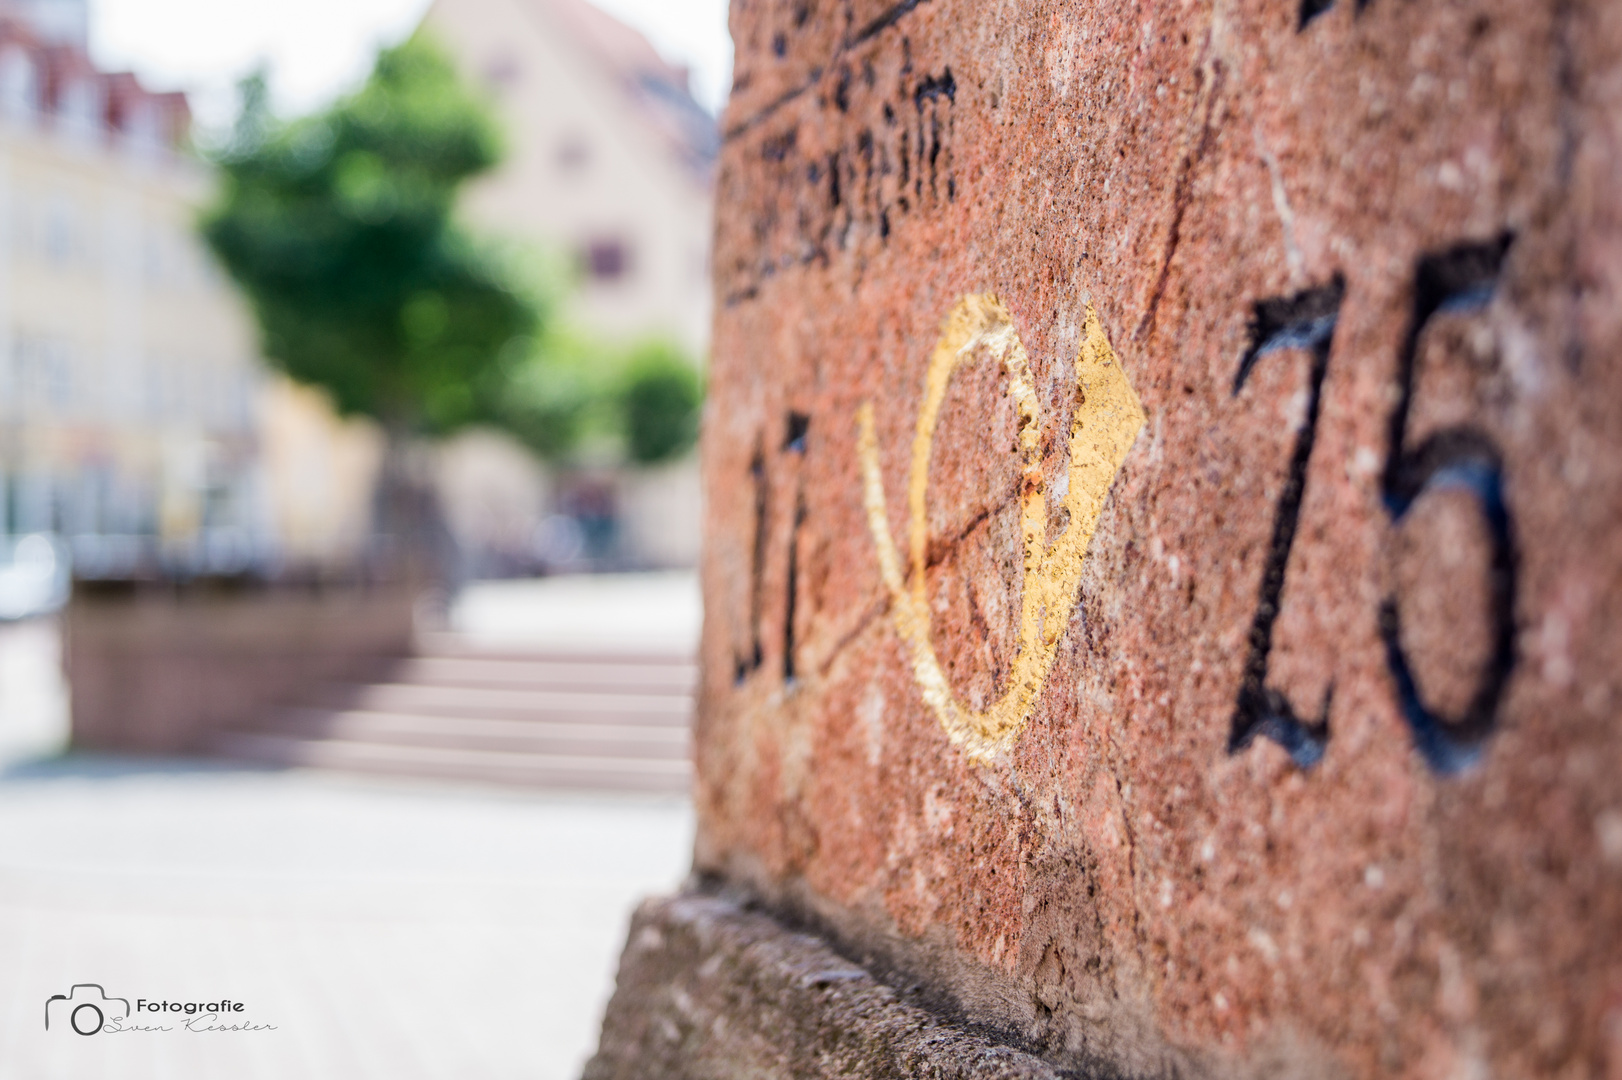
(660,395)
(255,118)
(553,393)
(339,227)
(572,396)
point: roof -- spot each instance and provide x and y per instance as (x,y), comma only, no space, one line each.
(55,67)
(658,89)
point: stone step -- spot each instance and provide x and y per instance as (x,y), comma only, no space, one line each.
(457,646)
(606,706)
(546,770)
(649,741)
(547,672)
(548,719)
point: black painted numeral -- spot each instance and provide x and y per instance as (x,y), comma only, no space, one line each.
(1303,321)
(795,441)
(1311,9)
(749,661)
(1460,458)
(796,437)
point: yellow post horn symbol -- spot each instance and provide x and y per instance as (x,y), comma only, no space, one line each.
(1107,419)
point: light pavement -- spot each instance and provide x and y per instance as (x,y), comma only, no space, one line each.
(388,929)
(605,612)
(33,701)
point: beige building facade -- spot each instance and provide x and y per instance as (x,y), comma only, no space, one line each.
(609,164)
(609,159)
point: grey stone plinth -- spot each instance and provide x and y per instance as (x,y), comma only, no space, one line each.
(710,990)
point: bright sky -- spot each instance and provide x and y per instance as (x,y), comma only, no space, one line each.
(319,48)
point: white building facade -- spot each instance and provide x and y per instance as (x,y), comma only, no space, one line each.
(128,366)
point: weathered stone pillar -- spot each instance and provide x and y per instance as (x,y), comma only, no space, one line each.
(1164,575)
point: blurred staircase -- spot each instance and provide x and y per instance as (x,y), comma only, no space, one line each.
(542,719)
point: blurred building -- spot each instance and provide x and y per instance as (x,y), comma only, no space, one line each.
(320,474)
(128,366)
(609,160)
(52,22)
(494,495)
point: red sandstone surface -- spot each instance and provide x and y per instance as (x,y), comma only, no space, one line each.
(1327,777)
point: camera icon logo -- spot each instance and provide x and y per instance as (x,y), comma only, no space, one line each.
(84,1009)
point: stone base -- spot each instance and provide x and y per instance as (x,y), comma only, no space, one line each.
(709,989)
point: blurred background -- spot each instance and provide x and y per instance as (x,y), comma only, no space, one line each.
(352,355)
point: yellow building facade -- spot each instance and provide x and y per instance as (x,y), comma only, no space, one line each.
(138,424)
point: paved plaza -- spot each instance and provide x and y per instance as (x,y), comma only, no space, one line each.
(382,928)
(658,612)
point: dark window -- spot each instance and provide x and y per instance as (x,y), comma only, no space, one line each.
(502,72)
(574,153)
(607,260)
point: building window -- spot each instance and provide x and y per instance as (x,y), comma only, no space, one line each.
(574,153)
(81,108)
(606,260)
(502,72)
(19,83)
(44,371)
(143,128)
(61,233)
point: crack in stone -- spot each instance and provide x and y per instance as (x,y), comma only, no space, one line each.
(1182,196)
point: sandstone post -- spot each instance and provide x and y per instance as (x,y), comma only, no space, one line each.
(1164,558)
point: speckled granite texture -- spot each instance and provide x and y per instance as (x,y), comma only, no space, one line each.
(1324,778)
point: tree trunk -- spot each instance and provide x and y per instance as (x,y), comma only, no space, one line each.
(411,540)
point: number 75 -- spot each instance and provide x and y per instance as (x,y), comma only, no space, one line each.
(1459,458)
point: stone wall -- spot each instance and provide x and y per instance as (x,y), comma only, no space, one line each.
(163,668)
(1270,730)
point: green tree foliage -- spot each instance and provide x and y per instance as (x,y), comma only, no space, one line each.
(340,229)
(572,396)
(660,395)
(554,394)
